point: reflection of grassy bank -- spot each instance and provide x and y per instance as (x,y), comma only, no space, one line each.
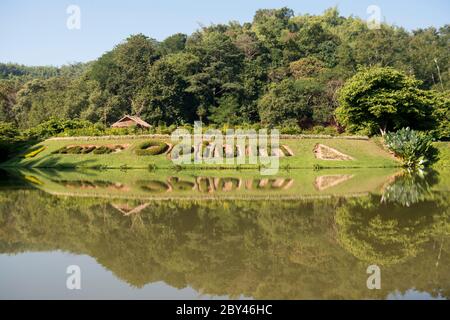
(366,154)
(262,249)
(208,184)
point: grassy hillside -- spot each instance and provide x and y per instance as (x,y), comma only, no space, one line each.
(365,154)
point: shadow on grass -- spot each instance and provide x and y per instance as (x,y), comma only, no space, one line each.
(54,163)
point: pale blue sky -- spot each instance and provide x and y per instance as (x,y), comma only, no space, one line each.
(35,33)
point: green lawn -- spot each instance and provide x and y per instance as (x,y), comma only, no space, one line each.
(366,154)
(444,154)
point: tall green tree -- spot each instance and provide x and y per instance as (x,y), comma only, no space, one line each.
(164,97)
(384,99)
(289,101)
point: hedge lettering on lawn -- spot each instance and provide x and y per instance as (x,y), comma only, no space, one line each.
(152,148)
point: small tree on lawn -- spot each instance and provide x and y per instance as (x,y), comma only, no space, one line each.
(383,99)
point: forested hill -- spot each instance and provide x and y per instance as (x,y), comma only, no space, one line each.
(13,70)
(279,69)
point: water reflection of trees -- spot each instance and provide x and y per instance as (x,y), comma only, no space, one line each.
(410,187)
(395,227)
(264,249)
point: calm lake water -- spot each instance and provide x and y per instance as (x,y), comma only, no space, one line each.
(209,235)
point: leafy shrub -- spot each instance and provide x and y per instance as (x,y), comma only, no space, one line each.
(91,131)
(414,148)
(86,150)
(441,113)
(11,141)
(54,127)
(290,127)
(68,150)
(8,131)
(151,148)
(332,131)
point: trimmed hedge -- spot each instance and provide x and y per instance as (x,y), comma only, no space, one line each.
(74,150)
(102,150)
(152,148)
(87,150)
(62,150)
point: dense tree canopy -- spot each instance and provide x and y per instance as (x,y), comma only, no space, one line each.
(279,69)
(384,99)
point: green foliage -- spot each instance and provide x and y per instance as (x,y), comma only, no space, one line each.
(11,70)
(297,249)
(8,131)
(11,140)
(332,131)
(288,100)
(102,150)
(74,150)
(151,148)
(87,149)
(69,150)
(164,97)
(55,126)
(290,127)
(410,187)
(441,113)
(414,148)
(173,44)
(226,112)
(8,95)
(384,99)
(306,67)
(280,69)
